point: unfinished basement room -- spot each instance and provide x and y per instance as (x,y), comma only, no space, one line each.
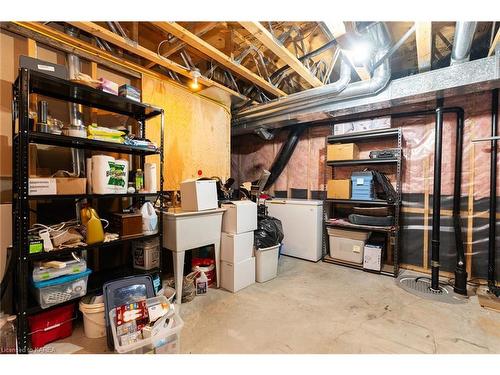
(201,186)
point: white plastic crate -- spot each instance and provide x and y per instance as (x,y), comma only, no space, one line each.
(165,338)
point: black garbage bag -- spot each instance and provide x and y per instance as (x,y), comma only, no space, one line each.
(269,232)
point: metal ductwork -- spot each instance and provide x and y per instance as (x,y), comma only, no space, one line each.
(284,109)
(75,110)
(464,34)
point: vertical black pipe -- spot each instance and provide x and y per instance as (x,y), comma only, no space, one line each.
(493,194)
(460,286)
(436,198)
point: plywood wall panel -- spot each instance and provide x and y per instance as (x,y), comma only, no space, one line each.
(197,132)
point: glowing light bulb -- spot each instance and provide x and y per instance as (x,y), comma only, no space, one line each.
(195,73)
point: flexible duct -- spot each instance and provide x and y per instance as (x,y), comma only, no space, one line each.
(464,34)
(285,154)
(334,92)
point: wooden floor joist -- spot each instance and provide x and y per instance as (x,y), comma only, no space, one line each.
(213,53)
(424,45)
(268,40)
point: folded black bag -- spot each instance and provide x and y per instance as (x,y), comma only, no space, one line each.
(378,221)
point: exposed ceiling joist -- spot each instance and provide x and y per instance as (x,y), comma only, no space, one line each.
(212,52)
(494,43)
(179,44)
(268,40)
(135,48)
(424,45)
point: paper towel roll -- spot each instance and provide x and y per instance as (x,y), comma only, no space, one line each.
(121,176)
(150,185)
(101,172)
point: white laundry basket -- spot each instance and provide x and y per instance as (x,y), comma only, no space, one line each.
(266,263)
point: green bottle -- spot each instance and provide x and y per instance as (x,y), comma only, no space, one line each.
(139,180)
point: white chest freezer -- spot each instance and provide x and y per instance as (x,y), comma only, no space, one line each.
(302,221)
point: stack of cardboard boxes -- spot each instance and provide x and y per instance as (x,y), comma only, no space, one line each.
(237,260)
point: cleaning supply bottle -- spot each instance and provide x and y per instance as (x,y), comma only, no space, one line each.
(139,180)
(149,219)
(201,284)
(95,231)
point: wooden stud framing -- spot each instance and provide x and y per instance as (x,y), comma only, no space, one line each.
(268,40)
(496,40)
(424,45)
(212,52)
(176,47)
(470,211)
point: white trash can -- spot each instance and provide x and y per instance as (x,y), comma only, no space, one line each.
(266,263)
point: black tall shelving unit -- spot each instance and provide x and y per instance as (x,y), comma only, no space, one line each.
(393,232)
(34,82)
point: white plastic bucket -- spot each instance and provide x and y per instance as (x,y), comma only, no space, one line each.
(94,325)
(266,263)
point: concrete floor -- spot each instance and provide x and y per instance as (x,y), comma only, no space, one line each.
(323,308)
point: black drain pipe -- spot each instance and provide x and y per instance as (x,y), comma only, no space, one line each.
(436,197)
(285,153)
(460,271)
(493,196)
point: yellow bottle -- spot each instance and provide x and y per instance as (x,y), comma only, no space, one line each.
(95,232)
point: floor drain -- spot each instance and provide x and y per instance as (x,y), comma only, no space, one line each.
(421,286)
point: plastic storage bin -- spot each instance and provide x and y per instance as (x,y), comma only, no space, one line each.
(51,325)
(347,245)
(146,254)
(362,186)
(72,267)
(52,292)
(166,339)
(266,263)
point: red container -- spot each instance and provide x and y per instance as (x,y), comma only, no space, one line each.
(51,325)
(206,265)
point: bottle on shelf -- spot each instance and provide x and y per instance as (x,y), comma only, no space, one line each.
(139,180)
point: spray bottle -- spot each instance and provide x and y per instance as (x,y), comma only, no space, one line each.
(201,284)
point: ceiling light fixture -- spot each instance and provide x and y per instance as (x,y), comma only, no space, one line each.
(195,73)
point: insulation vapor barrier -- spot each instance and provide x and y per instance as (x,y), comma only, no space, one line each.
(304,177)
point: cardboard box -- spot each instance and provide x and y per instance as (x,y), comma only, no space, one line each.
(42,186)
(372,257)
(126,224)
(338,189)
(235,248)
(240,217)
(71,185)
(198,195)
(342,151)
(236,276)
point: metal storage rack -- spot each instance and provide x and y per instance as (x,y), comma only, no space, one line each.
(33,82)
(393,233)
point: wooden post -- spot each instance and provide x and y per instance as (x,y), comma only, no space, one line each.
(470,211)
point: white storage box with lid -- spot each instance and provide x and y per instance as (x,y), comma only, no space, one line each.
(266,263)
(240,217)
(236,276)
(347,245)
(53,292)
(146,254)
(235,248)
(165,336)
(198,195)
(72,267)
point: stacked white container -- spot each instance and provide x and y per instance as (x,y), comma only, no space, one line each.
(237,260)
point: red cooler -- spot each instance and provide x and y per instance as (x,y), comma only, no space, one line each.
(51,325)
